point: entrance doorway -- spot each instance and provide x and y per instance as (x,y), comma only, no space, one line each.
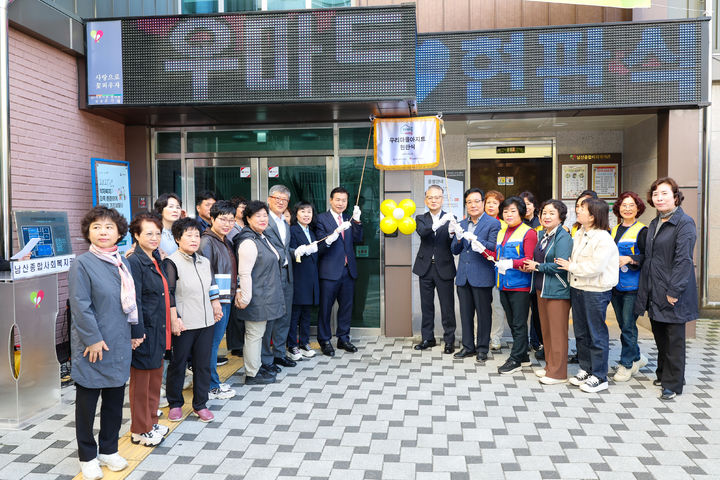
(513,168)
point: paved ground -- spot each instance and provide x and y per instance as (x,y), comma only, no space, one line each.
(389,411)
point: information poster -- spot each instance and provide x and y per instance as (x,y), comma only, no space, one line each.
(574,180)
(605,179)
(111,188)
(454,189)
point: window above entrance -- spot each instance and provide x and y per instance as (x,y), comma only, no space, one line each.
(260,140)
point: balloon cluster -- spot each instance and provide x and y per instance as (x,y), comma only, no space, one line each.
(397,216)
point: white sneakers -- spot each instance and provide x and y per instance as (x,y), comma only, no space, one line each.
(113,462)
(623,374)
(163,399)
(162,429)
(593,385)
(147,439)
(187,383)
(636,366)
(579,378)
(223,392)
(540,372)
(294,354)
(91,470)
(552,381)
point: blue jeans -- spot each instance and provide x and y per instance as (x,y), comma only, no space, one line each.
(218,334)
(591,333)
(623,303)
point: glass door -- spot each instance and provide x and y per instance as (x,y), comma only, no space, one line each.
(226,177)
(306,177)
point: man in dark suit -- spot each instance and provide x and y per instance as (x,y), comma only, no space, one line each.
(337,269)
(435,265)
(278,233)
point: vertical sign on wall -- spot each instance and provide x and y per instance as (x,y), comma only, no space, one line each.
(103,42)
(111,188)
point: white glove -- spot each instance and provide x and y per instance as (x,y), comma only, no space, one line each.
(477,246)
(343,226)
(469,236)
(504,265)
(330,239)
(301,250)
(311,248)
(356,214)
(440,222)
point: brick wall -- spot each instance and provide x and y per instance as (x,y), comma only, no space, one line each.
(51,141)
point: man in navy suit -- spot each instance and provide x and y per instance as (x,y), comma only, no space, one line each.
(476,273)
(337,269)
(435,266)
(278,233)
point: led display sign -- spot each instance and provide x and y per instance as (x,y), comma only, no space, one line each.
(254,57)
(556,68)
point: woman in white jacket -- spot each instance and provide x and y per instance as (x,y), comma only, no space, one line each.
(593,273)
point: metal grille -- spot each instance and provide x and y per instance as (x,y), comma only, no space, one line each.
(270,57)
(579,67)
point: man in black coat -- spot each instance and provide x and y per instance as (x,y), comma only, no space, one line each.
(435,265)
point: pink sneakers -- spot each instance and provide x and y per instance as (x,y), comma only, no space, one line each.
(205,415)
(175,414)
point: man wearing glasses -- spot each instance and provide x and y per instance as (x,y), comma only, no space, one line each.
(215,246)
(278,233)
(435,266)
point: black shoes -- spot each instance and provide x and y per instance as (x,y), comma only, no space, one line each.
(449,349)
(464,352)
(540,353)
(347,346)
(481,357)
(657,382)
(263,377)
(425,344)
(221,361)
(237,353)
(284,361)
(573,358)
(272,369)
(327,349)
(509,367)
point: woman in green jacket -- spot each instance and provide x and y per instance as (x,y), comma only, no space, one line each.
(553,290)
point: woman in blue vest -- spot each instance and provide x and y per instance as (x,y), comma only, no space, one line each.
(306,287)
(629,235)
(515,243)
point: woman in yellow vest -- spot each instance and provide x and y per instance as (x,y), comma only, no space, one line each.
(515,243)
(629,235)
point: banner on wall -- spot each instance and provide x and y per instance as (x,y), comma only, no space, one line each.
(604,3)
(111,188)
(407,143)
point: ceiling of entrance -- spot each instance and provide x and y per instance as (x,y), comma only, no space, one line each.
(544,124)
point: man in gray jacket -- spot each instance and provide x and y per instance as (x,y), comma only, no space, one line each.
(278,233)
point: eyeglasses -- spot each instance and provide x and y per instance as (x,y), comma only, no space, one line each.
(280,199)
(434,197)
(226,220)
(473,202)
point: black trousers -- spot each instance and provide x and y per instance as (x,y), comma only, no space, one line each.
(536,336)
(670,341)
(516,306)
(110,420)
(430,282)
(475,300)
(198,343)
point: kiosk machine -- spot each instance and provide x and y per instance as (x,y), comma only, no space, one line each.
(30,378)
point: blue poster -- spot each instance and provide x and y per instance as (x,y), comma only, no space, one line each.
(104,62)
(111,188)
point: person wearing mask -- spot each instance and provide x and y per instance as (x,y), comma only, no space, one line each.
(593,273)
(531,219)
(668,290)
(552,289)
(278,233)
(204,201)
(104,310)
(475,274)
(215,246)
(630,236)
(306,285)
(337,269)
(435,267)
(515,243)
(493,199)
(153,301)
(169,208)
(261,300)
(197,308)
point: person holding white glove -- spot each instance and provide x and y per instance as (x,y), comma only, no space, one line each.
(515,243)
(475,275)
(306,288)
(435,267)
(337,269)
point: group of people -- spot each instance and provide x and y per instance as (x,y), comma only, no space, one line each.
(243,271)
(238,270)
(519,256)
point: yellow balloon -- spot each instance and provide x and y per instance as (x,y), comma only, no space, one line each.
(387,207)
(407,225)
(409,207)
(388,225)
